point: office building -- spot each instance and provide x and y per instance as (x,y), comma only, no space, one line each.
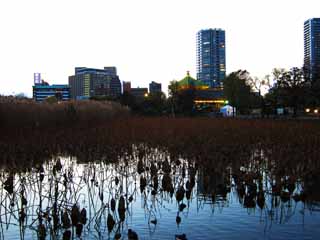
(312,48)
(42,90)
(154,87)
(211,57)
(90,82)
(139,92)
(126,86)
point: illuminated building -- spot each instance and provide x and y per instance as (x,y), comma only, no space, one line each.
(189,82)
(139,92)
(312,48)
(211,57)
(205,98)
(90,82)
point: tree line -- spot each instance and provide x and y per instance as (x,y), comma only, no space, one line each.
(292,89)
(283,89)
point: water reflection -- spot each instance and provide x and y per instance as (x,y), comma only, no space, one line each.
(153,194)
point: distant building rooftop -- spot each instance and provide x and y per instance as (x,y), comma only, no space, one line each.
(190,82)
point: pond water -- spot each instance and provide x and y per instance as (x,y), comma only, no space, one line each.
(157,197)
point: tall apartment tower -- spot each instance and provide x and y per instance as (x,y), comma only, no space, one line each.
(211,57)
(312,48)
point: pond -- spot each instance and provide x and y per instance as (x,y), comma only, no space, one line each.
(157,196)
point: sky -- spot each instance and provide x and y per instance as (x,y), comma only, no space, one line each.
(147,40)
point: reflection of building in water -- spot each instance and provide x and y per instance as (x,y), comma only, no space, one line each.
(311,187)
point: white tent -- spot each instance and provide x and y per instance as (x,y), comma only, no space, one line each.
(227,111)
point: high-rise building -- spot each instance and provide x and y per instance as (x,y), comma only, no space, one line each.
(211,57)
(312,48)
(89,82)
(154,87)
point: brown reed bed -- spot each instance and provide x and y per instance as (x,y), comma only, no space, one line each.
(164,157)
(25,113)
(205,140)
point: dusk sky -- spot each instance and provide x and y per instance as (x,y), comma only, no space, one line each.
(147,40)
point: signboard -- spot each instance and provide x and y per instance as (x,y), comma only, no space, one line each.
(37,78)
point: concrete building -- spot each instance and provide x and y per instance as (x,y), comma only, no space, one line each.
(42,90)
(90,82)
(312,48)
(139,92)
(211,57)
(154,87)
(126,86)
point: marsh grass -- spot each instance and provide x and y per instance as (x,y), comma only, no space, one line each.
(207,141)
(24,113)
(271,165)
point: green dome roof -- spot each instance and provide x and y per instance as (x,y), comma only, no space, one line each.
(190,82)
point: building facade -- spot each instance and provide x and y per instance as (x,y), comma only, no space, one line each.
(312,48)
(211,57)
(205,98)
(90,82)
(42,91)
(154,87)
(139,92)
(126,86)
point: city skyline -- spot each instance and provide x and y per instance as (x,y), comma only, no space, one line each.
(145,41)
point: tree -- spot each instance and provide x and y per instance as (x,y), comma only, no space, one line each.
(51,100)
(291,87)
(237,90)
(154,104)
(181,100)
(312,87)
(258,85)
(173,96)
(127,99)
(186,101)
